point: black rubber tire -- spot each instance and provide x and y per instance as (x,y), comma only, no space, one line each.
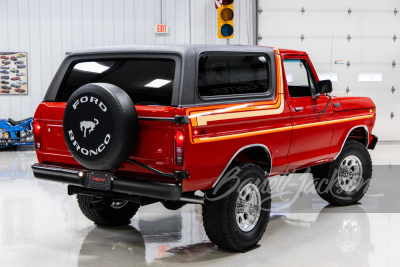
(107,216)
(326,176)
(172,205)
(100,126)
(219,218)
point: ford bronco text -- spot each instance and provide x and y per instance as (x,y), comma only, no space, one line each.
(130,126)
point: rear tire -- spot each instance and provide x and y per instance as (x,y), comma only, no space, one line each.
(237,221)
(108,216)
(4,147)
(345,180)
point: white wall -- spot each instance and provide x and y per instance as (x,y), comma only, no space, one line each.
(46,29)
(371,49)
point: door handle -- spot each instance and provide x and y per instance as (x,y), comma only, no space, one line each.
(298,109)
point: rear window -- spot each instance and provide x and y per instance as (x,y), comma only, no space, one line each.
(224,75)
(146,81)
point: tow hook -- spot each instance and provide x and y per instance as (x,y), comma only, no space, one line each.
(99,204)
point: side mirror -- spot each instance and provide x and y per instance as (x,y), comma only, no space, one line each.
(325,87)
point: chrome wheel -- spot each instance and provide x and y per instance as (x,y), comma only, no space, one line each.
(119,205)
(350,173)
(248,207)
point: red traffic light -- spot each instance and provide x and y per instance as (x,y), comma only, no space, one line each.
(226,2)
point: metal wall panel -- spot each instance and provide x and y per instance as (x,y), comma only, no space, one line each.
(371,48)
(46,29)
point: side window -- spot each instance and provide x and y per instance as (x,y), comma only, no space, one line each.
(228,75)
(299,78)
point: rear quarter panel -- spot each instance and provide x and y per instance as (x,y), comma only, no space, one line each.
(207,155)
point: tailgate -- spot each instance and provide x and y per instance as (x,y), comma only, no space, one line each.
(153,148)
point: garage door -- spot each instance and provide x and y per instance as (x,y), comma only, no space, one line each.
(354,40)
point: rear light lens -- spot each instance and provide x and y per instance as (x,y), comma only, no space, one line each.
(179,141)
(37,133)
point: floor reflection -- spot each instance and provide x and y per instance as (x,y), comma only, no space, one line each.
(337,236)
(112,247)
(342,234)
(40,225)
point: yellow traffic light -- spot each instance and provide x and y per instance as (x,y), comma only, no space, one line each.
(225,19)
(227,14)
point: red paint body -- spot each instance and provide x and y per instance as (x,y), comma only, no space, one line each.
(294,139)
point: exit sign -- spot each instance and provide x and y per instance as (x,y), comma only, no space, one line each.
(162,28)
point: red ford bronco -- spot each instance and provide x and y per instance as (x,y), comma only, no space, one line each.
(130,126)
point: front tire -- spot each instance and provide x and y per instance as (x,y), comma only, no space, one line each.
(236,213)
(345,180)
(117,215)
(4,135)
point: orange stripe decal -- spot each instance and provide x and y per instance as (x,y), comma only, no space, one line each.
(226,137)
(202,115)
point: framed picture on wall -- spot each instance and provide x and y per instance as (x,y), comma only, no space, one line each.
(13,73)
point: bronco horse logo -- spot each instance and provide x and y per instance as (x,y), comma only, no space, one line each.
(88,125)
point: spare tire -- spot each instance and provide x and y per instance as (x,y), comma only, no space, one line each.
(100,126)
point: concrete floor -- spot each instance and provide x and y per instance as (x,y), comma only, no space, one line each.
(40,225)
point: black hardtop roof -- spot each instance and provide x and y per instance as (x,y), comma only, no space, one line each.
(185,93)
(182,49)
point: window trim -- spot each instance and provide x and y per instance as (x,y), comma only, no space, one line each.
(206,100)
(309,75)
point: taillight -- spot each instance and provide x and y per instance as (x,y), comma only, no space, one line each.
(179,141)
(37,132)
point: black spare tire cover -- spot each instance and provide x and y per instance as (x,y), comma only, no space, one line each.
(100,126)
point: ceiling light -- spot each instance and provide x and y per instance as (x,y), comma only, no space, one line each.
(157,83)
(91,67)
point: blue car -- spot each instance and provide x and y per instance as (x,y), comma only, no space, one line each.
(15,85)
(4,77)
(14,133)
(4,71)
(5,82)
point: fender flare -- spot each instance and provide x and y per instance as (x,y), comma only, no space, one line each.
(347,137)
(240,150)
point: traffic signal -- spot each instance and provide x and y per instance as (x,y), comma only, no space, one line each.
(225,19)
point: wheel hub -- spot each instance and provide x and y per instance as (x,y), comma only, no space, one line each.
(248,207)
(350,173)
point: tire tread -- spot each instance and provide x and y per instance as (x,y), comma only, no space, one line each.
(107,216)
(216,221)
(326,170)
